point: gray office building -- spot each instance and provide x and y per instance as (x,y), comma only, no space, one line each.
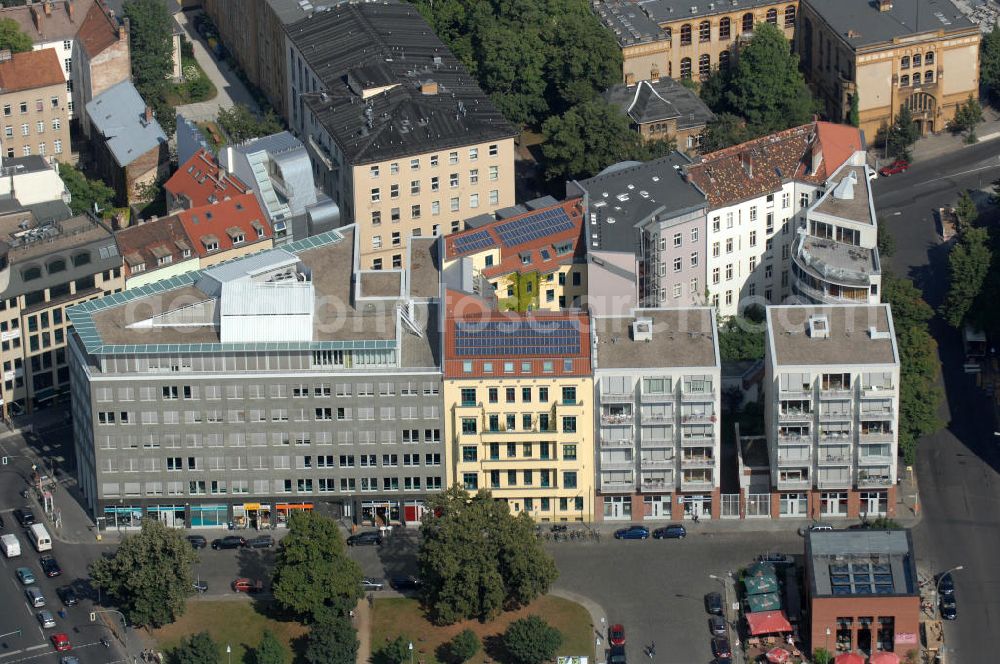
(286,380)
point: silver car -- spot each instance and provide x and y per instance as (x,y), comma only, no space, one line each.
(35,597)
(46,620)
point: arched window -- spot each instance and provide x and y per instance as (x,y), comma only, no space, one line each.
(929,58)
(772,16)
(916,60)
(790,16)
(928,76)
(704,31)
(704,66)
(31,273)
(904,81)
(685,67)
(685,34)
(723,59)
(81,259)
(916,78)
(58,265)
(748,22)
(669,32)
(725,28)
(904,62)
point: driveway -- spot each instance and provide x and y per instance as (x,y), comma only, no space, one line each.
(230,87)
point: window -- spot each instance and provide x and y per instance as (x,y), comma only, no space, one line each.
(454,205)
(494,197)
(40,126)
(494,172)
(569,479)
(677,239)
(677,290)
(6,109)
(904,62)
(373,171)
(748,22)
(786,199)
(393,168)
(494,150)
(928,76)
(725,29)
(453,180)
(25,129)
(729,220)
(715,275)
(414,211)
(790,16)
(678,263)
(723,59)
(23,107)
(452,157)
(57,146)
(729,272)
(904,81)
(916,60)
(473,154)
(704,65)
(435,183)
(928,60)
(694,234)
(704,31)
(916,78)
(394,191)
(376,195)
(414,164)
(414,187)
(686,67)
(9,131)
(694,259)
(685,37)
(715,224)
(716,249)
(473,200)
(772,16)
(376,242)
(753,238)
(68,64)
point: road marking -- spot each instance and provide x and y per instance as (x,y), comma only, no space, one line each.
(954,175)
(40,645)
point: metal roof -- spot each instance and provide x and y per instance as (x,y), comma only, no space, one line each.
(119,114)
(860,23)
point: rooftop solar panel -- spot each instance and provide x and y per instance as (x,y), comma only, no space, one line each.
(534,226)
(472,242)
(517,338)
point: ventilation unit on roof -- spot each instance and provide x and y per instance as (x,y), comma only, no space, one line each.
(819,326)
(642,329)
(875,334)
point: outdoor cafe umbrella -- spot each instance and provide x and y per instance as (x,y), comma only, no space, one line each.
(778,655)
(849,658)
(883,657)
(758,569)
(766,602)
(760,584)
(768,622)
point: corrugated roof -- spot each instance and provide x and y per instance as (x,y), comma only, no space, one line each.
(247,298)
(119,114)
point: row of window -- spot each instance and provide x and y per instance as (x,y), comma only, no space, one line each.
(547,479)
(435,183)
(546,452)
(307,462)
(470,395)
(416,210)
(906,61)
(364,414)
(493,150)
(527,367)
(174,441)
(905,80)
(678,289)
(726,26)
(470,425)
(23,106)
(26,128)
(57,148)
(54,266)
(273,391)
(266,487)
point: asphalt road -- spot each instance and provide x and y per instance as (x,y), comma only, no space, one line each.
(957,466)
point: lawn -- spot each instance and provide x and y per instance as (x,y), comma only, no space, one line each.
(185,92)
(229,622)
(404,617)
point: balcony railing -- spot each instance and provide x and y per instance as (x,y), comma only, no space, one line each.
(794,415)
(697,462)
(835,438)
(698,418)
(658,418)
(617,420)
(874,481)
(837,416)
(656,442)
(796,439)
(800,483)
(609,442)
(704,395)
(795,393)
(695,484)
(656,397)
(792,460)
(834,392)
(833,482)
(613,397)
(654,485)
(689,440)
(617,464)
(877,391)
(658,463)
(874,459)
(880,414)
(833,459)
(617,486)
(876,437)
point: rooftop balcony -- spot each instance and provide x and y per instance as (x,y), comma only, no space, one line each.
(795,415)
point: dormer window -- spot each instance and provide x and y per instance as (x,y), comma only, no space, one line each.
(165,260)
(138,267)
(210,242)
(258,227)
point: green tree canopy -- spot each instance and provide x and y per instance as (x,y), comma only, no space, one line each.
(531,640)
(151,45)
(724,130)
(968,265)
(197,649)
(332,640)
(396,651)
(149,576)
(12,38)
(885,241)
(464,646)
(967,116)
(84,193)
(989,61)
(477,559)
(270,650)
(741,339)
(240,124)
(854,115)
(966,210)
(900,136)
(313,576)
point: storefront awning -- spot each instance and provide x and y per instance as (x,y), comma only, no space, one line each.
(768,622)
(849,658)
(883,657)
(294,506)
(766,602)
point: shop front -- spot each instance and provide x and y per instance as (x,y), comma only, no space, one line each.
(209,516)
(251,515)
(121,517)
(172,516)
(284,510)
(379,512)
(413,511)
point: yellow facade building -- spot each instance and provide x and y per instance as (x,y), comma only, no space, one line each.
(518,400)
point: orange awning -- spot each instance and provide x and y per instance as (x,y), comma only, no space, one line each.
(768,622)
(849,658)
(883,657)
(294,506)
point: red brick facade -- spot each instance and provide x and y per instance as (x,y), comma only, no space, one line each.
(848,617)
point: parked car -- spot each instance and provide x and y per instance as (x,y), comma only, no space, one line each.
(260,542)
(814,528)
(68,596)
(898,166)
(616,635)
(200,586)
(61,642)
(367,538)
(404,582)
(673,531)
(713,603)
(69,659)
(25,575)
(949,609)
(197,541)
(24,516)
(50,566)
(371,583)
(946,585)
(35,596)
(717,625)
(228,542)
(776,559)
(245,585)
(617,655)
(45,619)
(720,647)
(632,532)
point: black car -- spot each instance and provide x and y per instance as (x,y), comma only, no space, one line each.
(49,566)
(713,603)
(946,586)
(404,582)
(369,538)
(673,531)
(68,596)
(228,542)
(261,542)
(24,516)
(776,559)
(717,625)
(949,609)
(197,541)
(720,648)
(616,655)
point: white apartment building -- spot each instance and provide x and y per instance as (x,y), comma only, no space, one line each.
(657,404)
(832,410)
(757,192)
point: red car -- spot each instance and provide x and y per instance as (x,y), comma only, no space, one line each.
(244,585)
(898,166)
(616,635)
(61,642)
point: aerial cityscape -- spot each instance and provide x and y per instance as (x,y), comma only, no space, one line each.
(499,331)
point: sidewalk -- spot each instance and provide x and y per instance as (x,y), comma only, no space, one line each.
(363,624)
(945,142)
(598,619)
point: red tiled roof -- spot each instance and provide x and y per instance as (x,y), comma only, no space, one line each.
(762,165)
(147,243)
(30,70)
(98,31)
(202,182)
(535,255)
(218,221)
(527,330)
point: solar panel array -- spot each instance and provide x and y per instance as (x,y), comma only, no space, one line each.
(532,227)
(861,578)
(472,242)
(522,337)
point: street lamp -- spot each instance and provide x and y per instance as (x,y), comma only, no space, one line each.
(410,647)
(937,588)
(229,653)
(827,648)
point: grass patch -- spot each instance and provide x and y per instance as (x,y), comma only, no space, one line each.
(228,622)
(191,91)
(404,617)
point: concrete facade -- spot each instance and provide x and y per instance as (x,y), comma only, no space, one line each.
(35,113)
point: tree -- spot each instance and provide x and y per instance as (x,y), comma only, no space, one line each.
(989,61)
(741,339)
(531,640)
(240,124)
(313,576)
(396,651)
(766,87)
(149,576)
(270,650)
(587,139)
(968,263)
(724,130)
(901,135)
(464,646)
(151,45)
(84,193)
(477,559)
(12,38)
(966,211)
(197,649)
(967,116)
(332,641)
(885,240)
(822,656)
(854,115)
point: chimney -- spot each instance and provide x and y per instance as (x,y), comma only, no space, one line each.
(69,9)
(148,115)
(884,5)
(37,17)
(48,7)
(5,55)
(429,87)
(746,159)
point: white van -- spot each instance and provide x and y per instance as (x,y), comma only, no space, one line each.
(40,537)
(11,545)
